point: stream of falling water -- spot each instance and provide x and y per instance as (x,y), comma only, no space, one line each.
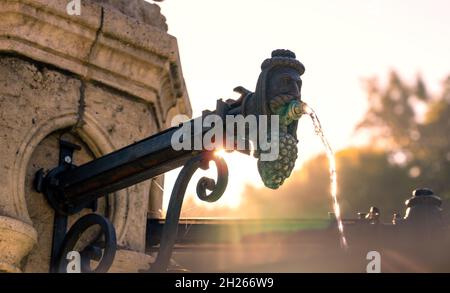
(333,175)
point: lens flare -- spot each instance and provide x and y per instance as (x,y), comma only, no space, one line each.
(220,153)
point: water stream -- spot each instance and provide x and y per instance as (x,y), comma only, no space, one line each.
(333,174)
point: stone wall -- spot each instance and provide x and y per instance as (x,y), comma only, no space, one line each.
(103,80)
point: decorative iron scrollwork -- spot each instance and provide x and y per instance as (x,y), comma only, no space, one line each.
(170,230)
(92,251)
(217,189)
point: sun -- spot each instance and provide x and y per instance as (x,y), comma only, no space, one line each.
(220,152)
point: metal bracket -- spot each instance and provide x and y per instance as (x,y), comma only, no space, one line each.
(41,183)
(66,150)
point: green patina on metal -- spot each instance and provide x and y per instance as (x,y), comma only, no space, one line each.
(278,92)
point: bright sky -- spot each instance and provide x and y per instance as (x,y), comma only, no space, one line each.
(223,42)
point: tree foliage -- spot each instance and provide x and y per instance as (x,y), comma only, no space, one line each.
(413,128)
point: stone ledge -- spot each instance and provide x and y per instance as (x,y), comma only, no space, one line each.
(16,241)
(127,261)
(101,44)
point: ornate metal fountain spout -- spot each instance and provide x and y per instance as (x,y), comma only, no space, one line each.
(71,188)
(278,92)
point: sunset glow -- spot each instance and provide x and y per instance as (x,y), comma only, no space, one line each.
(340,47)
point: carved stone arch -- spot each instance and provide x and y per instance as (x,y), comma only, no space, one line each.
(99,142)
(58,70)
(18,235)
(23,155)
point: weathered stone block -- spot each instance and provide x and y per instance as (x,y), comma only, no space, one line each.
(103,80)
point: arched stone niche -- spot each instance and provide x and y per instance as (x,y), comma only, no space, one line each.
(45,155)
(111,76)
(109,120)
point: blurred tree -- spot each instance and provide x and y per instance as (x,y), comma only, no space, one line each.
(365,176)
(433,154)
(419,143)
(391,116)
